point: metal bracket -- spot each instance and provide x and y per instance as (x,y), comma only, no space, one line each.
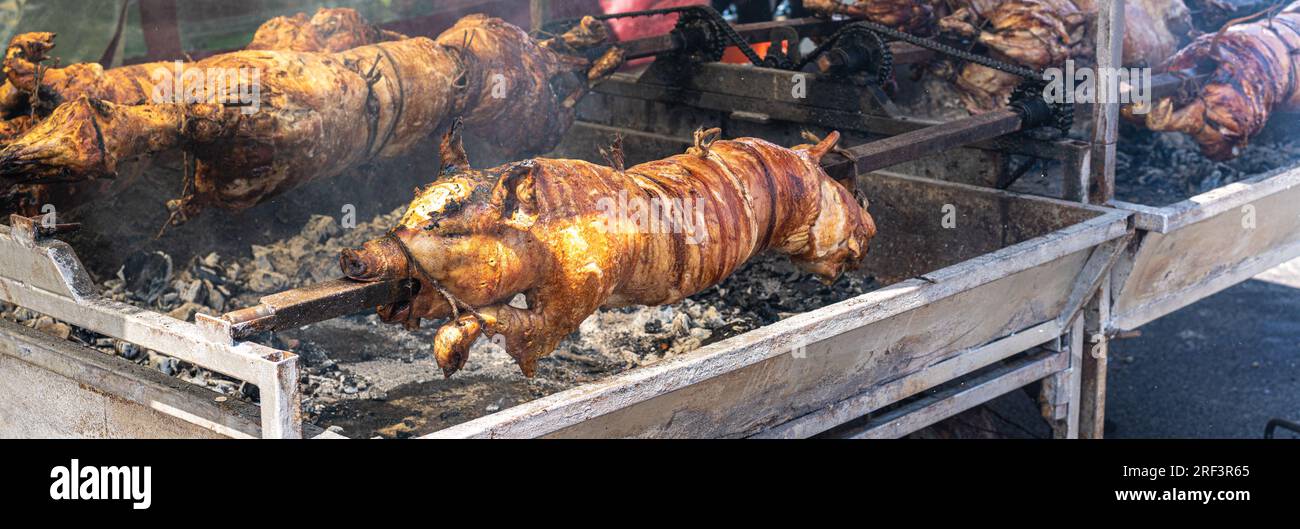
(45,275)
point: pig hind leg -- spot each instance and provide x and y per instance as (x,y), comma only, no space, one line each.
(529,333)
(525,333)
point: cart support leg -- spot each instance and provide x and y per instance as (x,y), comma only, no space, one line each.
(1092,402)
(281,400)
(1059,398)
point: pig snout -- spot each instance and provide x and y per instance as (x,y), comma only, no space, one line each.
(376,260)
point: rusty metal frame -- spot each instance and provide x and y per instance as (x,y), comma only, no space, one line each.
(45,275)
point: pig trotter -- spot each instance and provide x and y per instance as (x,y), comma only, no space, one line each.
(451,344)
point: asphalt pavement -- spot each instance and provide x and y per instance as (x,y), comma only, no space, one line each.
(1219,368)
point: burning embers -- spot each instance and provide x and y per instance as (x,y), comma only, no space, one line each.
(476,239)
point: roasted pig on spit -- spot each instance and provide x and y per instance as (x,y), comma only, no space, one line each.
(329,30)
(1031,33)
(1256,72)
(1044,33)
(573,236)
(321,114)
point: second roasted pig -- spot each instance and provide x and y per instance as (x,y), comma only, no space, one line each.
(573,236)
(329,30)
(1256,73)
(320,114)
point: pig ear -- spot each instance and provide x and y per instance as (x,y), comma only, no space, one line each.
(515,194)
(824,146)
(454,158)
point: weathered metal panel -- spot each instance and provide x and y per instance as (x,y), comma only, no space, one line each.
(53,282)
(1197,247)
(53,388)
(956,396)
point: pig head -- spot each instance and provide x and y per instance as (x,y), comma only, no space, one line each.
(467,239)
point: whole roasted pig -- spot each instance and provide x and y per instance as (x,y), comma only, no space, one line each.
(1045,33)
(321,114)
(329,30)
(573,236)
(1256,73)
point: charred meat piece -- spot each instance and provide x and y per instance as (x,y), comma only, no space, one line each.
(329,30)
(1044,33)
(320,114)
(573,236)
(1153,30)
(1256,72)
(907,15)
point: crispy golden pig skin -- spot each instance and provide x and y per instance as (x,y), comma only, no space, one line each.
(1032,33)
(12,128)
(330,30)
(319,114)
(1256,72)
(907,15)
(12,100)
(567,235)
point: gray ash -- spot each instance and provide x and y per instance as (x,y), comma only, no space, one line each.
(1159,169)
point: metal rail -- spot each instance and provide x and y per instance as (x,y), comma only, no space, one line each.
(903,52)
(45,275)
(879,154)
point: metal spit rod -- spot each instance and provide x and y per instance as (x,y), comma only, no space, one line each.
(314,303)
(879,154)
